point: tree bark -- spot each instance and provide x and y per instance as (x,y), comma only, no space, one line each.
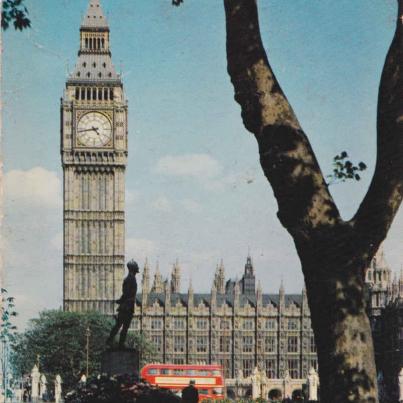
(333,253)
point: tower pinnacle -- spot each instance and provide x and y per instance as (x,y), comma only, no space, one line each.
(94,18)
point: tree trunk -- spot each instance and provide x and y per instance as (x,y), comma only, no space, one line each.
(341,326)
(334,254)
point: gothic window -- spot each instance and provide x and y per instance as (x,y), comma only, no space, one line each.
(226,366)
(89,75)
(88,91)
(293,368)
(270,368)
(225,344)
(201,323)
(77,93)
(225,324)
(248,324)
(99,43)
(312,345)
(157,341)
(103,44)
(104,65)
(82,93)
(179,323)
(94,94)
(105,94)
(247,366)
(110,75)
(292,345)
(86,43)
(111,94)
(247,344)
(94,65)
(156,324)
(90,43)
(99,75)
(102,192)
(271,324)
(84,64)
(201,344)
(179,344)
(293,324)
(270,344)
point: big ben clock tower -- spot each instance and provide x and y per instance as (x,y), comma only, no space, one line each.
(94,154)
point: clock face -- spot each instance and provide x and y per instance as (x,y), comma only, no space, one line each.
(94,129)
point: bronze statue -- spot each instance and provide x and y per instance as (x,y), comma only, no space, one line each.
(126,306)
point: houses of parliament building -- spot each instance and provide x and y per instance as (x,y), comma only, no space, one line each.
(237,325)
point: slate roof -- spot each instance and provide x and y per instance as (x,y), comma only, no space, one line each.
(221,299)
(94,17)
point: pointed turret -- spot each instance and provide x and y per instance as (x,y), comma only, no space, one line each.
(175,277)
(94,18)
(145,284)
(259,295)
(158,286)
(281,295)
(167,291)
(190,295)
(248,279)
(213,297)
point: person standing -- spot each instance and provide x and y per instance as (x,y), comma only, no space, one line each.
(190,394)
(126,305)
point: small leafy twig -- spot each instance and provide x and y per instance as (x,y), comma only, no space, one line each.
(344,169)
(14,11)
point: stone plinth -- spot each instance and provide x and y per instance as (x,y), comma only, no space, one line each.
(120,362)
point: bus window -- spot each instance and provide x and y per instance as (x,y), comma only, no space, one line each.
(165,371)
(178,371)
(217,391)
(153,371)
(203,391)
(216,372)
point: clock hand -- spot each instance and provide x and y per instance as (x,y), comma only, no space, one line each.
(96,130)
(84,130)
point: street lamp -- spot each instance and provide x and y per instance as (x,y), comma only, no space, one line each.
(87,334)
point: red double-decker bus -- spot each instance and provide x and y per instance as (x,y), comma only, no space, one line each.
(209,379)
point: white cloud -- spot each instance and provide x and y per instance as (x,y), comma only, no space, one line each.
(35,187)
(162,203)
(139,249)
(201,166)
(191,205)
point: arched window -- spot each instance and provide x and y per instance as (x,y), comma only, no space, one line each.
(99,74)
(99,94)
(88,94)
(103,43)
(82,93)
(94,94)
(111,94)
(88,74)
(105,94)
(91,43)
(77,93)
(99,43)
(86,43)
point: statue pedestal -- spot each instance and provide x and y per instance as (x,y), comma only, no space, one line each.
(121,362)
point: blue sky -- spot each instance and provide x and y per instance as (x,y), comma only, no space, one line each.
(195,190)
